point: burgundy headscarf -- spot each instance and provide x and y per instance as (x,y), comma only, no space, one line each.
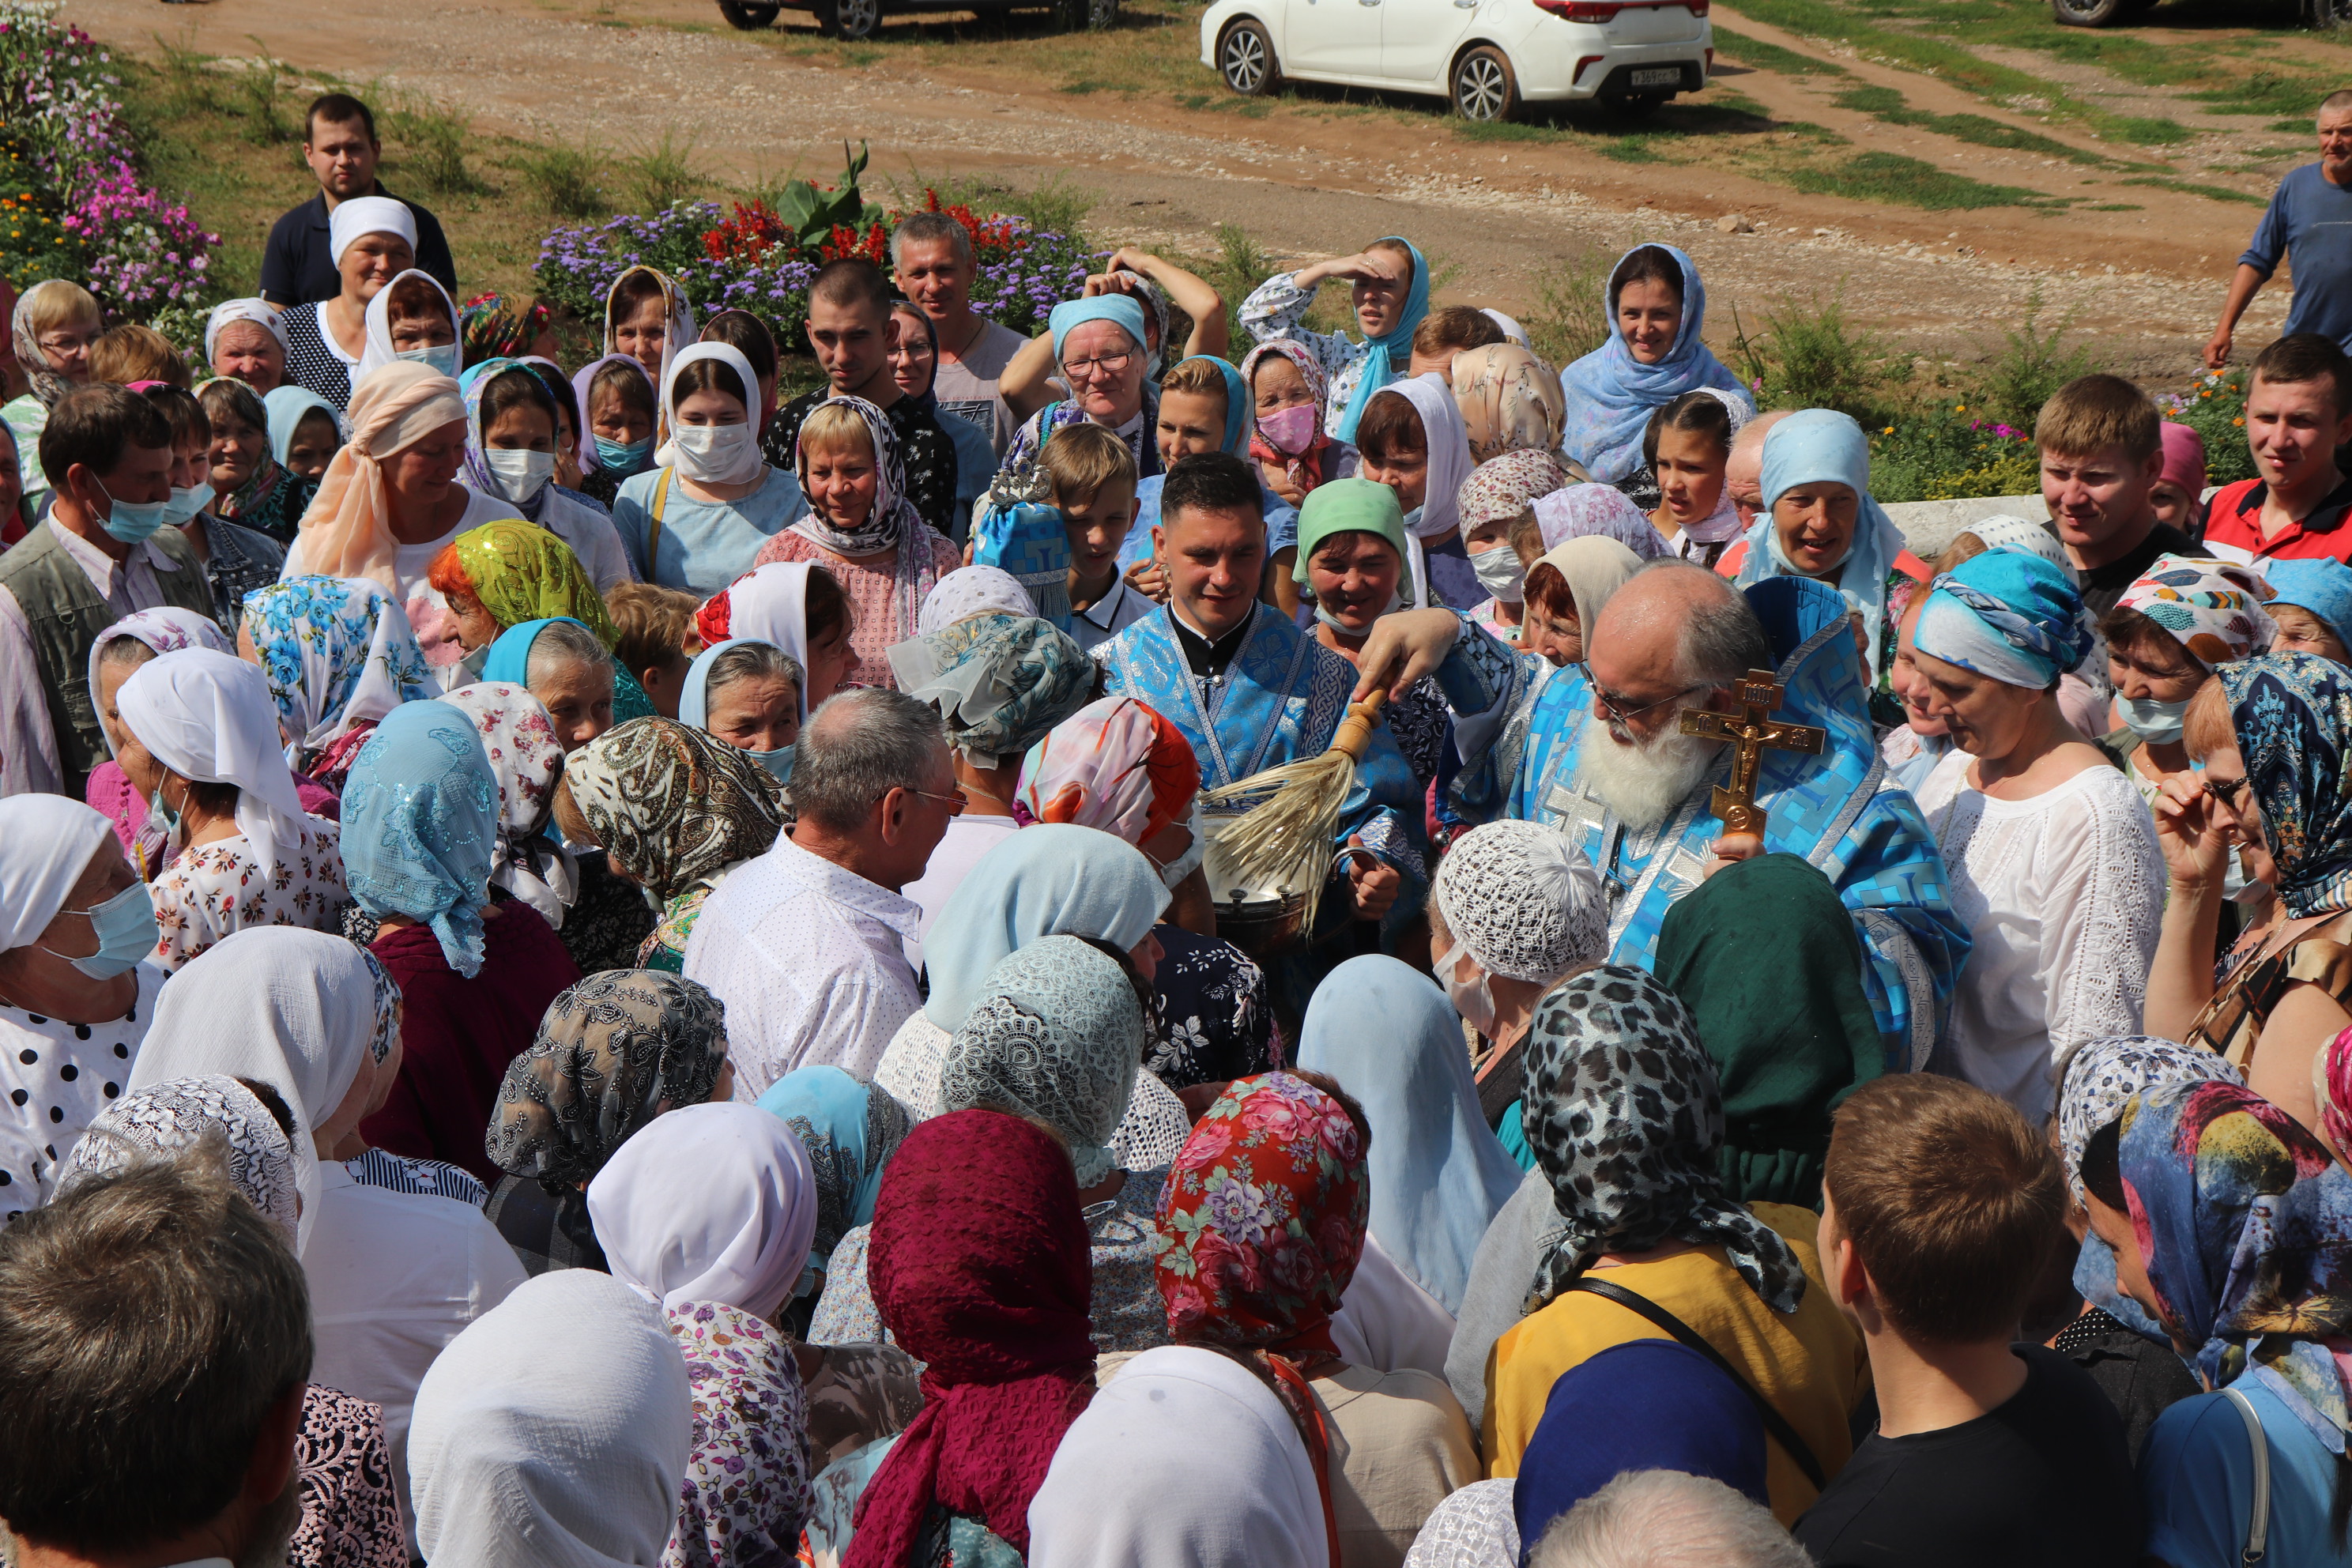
(981,1265)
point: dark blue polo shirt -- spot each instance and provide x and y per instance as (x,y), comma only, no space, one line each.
(297,268)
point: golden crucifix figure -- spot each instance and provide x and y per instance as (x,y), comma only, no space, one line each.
(1749,730)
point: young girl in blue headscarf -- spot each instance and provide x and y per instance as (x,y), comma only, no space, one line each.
(1656,308)
(1390,279)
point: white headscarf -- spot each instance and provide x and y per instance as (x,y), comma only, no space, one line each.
(2006,530)
(1432,397)
(255,311)
(208,717)
(554,1431)
(970,591)
(357,216)
(298,1010)
(45,844)
(166,629)
(770,604)
(380,351)
(750,461)
(172,1117)
(709,1202)
(1512,331)
(1227,1482)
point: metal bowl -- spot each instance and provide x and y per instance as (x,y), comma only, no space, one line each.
(1263,927)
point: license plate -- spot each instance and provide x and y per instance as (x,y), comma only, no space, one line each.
(1670,76)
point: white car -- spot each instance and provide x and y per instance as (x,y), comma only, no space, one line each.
(1488,57)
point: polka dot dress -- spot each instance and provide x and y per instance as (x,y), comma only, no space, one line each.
(311,362)
(56,1078)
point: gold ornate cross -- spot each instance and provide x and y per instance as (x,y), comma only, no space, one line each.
(1749,730)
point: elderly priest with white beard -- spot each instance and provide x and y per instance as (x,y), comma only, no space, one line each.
(1615,754)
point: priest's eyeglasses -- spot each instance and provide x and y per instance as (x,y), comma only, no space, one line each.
(1613,707)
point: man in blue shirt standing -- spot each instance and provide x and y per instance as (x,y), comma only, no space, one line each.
(2310,222)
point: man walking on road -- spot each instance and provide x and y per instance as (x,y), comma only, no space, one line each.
(2310,222)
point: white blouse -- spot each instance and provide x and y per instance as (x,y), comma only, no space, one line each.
(2063,895)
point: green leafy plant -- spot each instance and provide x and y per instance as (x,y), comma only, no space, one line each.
(186,73)
(665,174)
(567,180)
(2018,378)
(1810,355)
(812,215)
(1570,320)
(432,139)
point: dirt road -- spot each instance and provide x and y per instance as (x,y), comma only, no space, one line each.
(577,72)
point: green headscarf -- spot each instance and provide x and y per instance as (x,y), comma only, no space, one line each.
(1765,957)
(1349,506)
(522,573)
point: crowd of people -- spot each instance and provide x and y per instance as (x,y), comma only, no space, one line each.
(600,967)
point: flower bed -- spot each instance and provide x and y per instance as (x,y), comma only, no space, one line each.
(2215,408)
(1951,453)
(754,258)
(77,204)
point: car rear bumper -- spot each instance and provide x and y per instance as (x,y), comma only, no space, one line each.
(1555,77)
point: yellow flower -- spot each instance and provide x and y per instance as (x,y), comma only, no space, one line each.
(1960,409)
(1888,431)
(2238,421)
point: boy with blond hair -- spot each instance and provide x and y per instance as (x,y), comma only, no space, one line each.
(2102,454)
(1092,478)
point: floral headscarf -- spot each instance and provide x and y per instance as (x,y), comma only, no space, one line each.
(491,328)
(2245,1225)
(1114,765)
(522,573)
(610,1052)
(165,629)
(164,1120)
(1306,469)
(894,520)
(1510,401)
(47,384)
(1624,1118)
(338,651)
(527,759)
(1263,1219)
(1500,487)
(850,1129)
(672,804)
(1577,512)
(2293,716)
(970,591)
(421,827)
(249,497)
(1056,1032)
(999,682)
(2212,608)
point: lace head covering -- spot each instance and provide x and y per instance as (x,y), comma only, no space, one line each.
(1523,899)
(166,1118)
(421,827)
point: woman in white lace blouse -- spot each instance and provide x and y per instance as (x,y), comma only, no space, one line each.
(2051,854)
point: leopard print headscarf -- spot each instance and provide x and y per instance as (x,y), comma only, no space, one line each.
(1624,1118)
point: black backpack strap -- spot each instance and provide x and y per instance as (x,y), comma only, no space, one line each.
(1774,1421)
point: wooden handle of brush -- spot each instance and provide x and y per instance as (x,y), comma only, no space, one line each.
(1355,732)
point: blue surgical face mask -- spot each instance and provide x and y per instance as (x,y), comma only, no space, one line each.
(778,762)
(185,502)
(127,933)
(1413,519)
(164,816)
(2157,723)
(624,457)
(133,523)
(444,358)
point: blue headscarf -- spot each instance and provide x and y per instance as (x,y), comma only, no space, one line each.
(2322,586)
(1611,394)
(2008,614)
(1121,309)
(1237,402)
(850,1130)
(421,825)
(1438,1174)
(693,700)
(1646,1404)
(1050,880)
(2293,716)
(286,407)
(1380,365)
(1806,447)
(510,660)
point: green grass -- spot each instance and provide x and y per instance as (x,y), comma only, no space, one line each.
(1772,58)
(2190,188)
(1885,103)
(1909,182)
(664,173)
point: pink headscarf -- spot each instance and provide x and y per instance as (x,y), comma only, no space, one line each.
(347,532)
(2184,458)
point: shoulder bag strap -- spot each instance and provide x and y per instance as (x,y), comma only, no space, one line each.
(654,523)
(2258,1527)
(1774,1421)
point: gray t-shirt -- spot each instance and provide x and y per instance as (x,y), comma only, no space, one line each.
(2310,223)
(967,387)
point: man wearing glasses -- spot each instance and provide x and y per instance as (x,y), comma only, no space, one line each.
(1597,750)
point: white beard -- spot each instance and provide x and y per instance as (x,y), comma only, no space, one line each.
(1643,784)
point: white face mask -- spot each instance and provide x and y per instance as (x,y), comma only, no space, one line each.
(715,454)
(520,475)
(443,359)
(1475,1000)
(1500,574)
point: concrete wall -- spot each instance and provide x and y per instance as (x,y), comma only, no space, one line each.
(1929,526)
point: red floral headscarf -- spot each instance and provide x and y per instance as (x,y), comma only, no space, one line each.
(1263,1219)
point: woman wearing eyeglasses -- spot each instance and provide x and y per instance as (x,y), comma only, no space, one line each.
(1101,350)
(2269,733)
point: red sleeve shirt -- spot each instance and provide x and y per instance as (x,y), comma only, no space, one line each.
(2233,527)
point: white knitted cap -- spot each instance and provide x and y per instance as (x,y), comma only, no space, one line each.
(1523,899)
